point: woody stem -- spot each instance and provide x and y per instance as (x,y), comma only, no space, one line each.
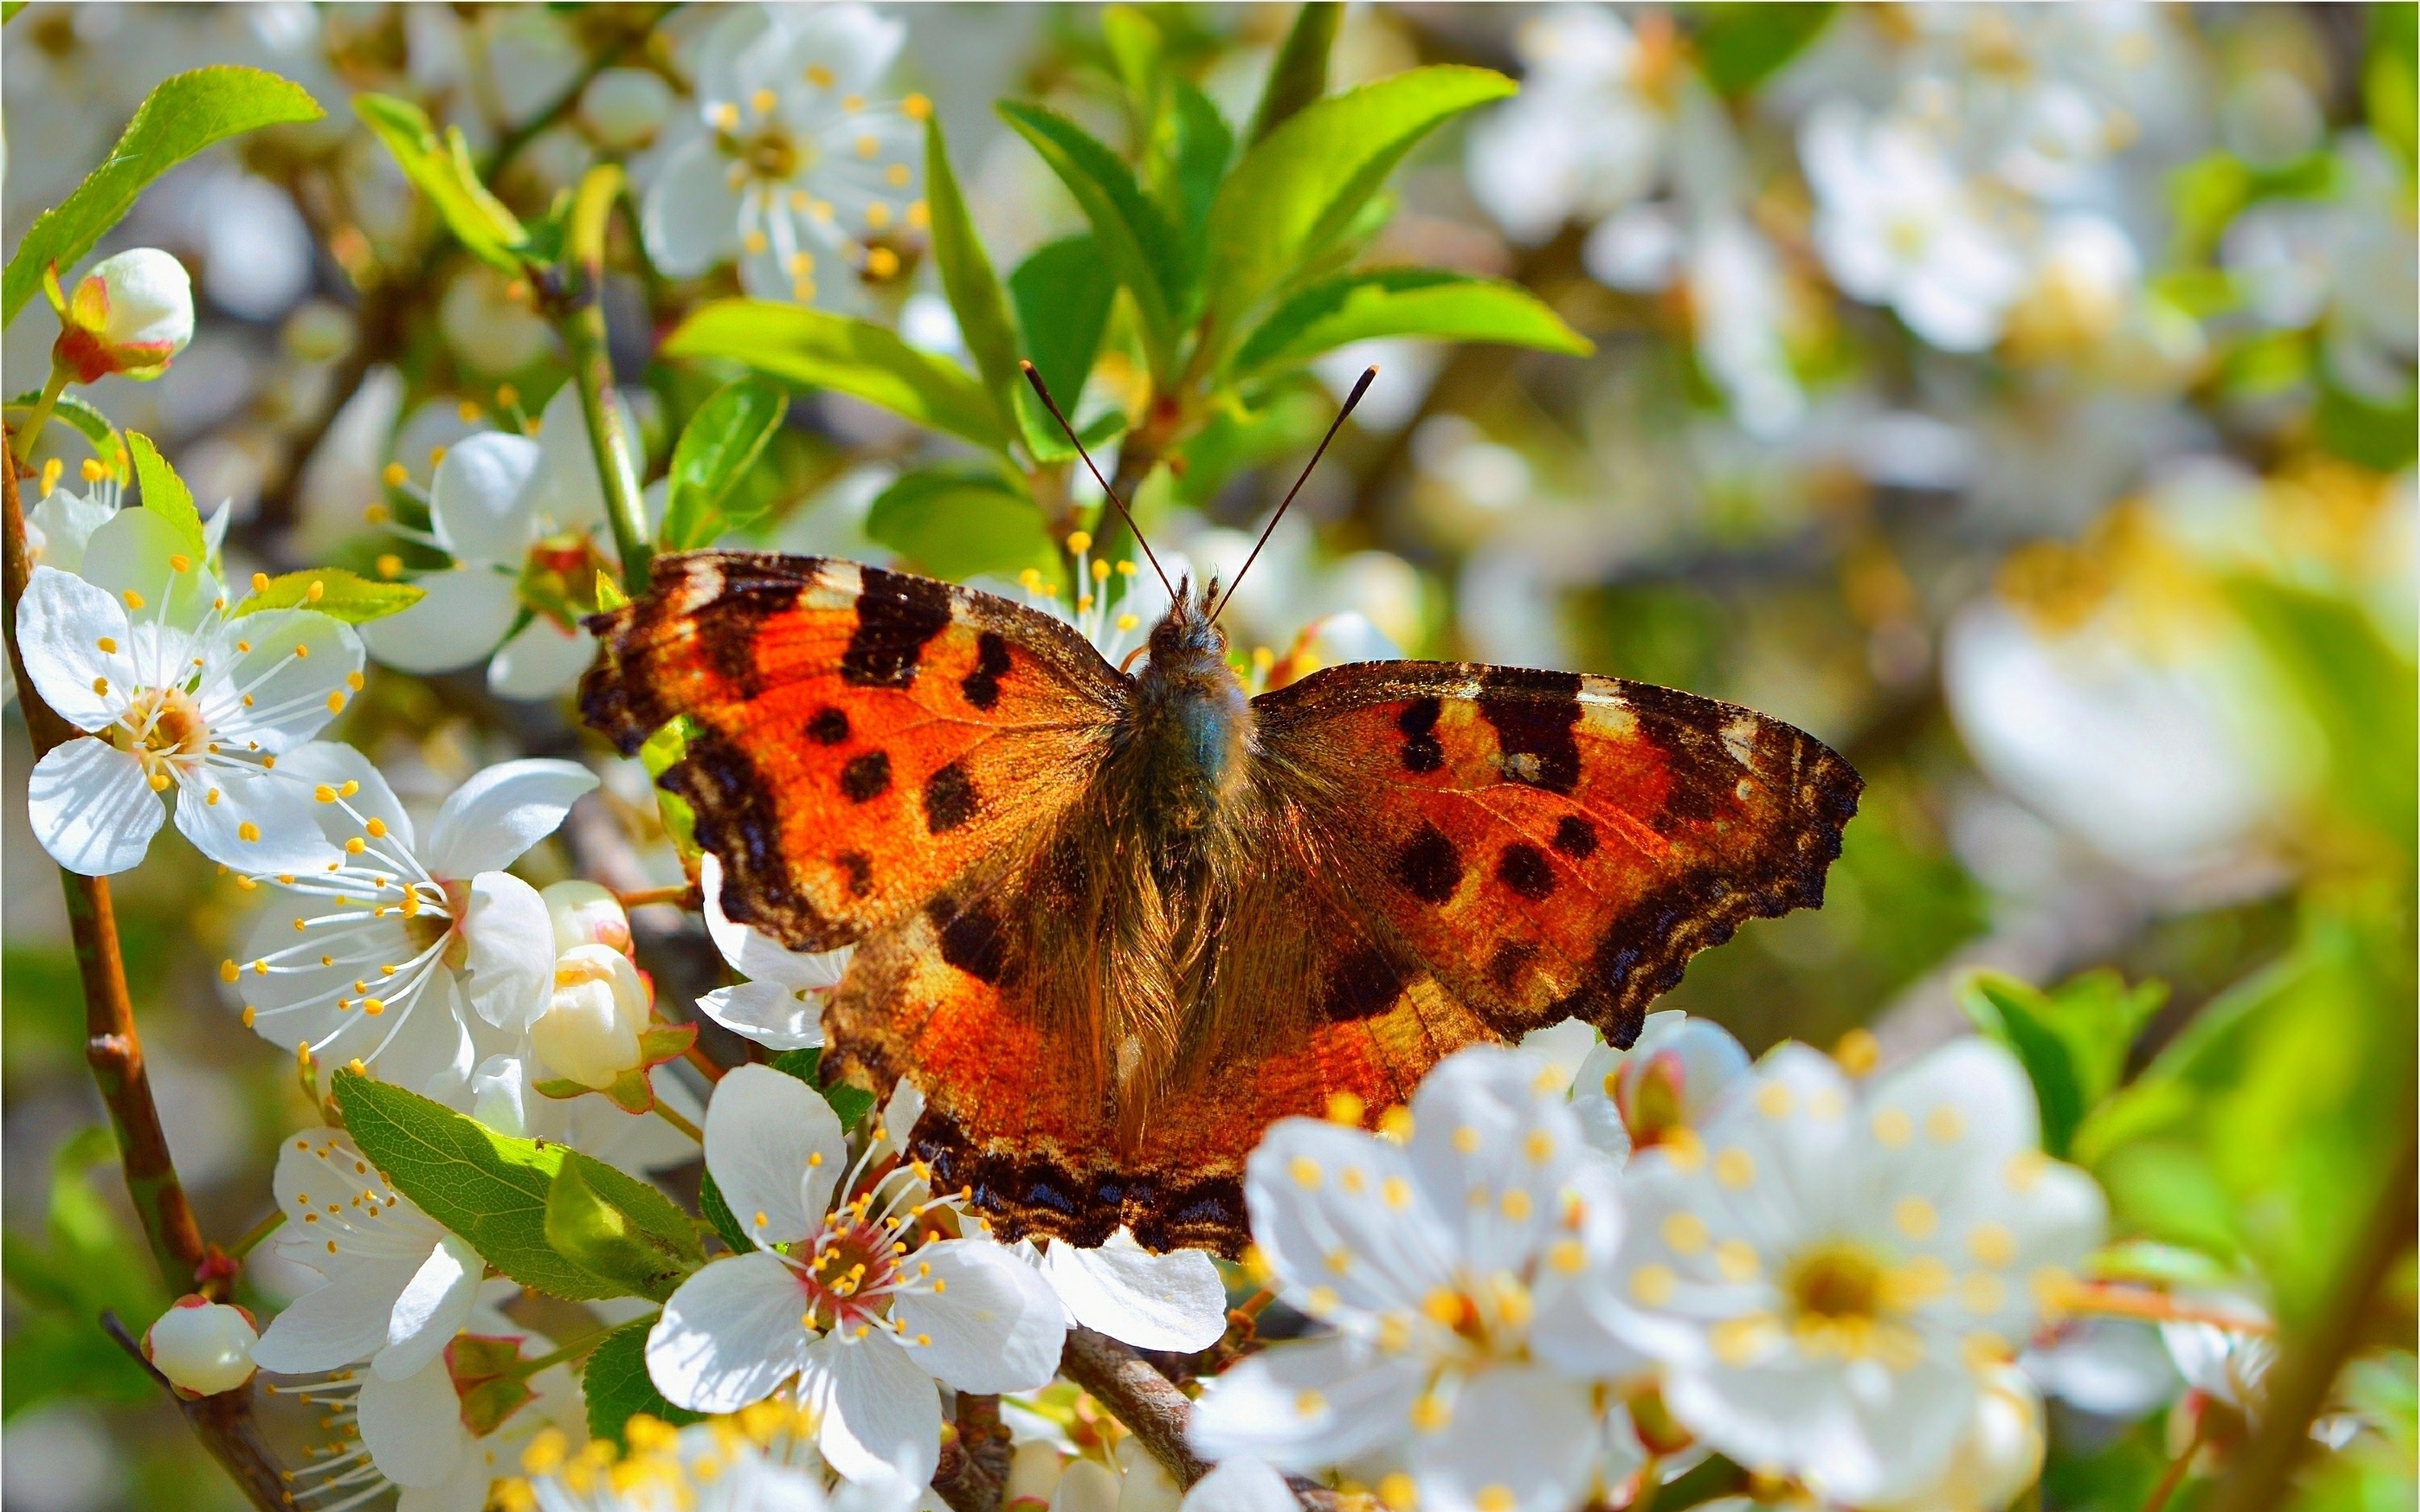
(580,321)
(1137,1396)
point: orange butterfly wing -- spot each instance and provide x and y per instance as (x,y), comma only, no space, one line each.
(860,738)
(1548,844)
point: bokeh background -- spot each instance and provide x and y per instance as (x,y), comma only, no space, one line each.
(2021,399)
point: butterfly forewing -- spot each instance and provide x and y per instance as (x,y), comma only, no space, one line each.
(857,737)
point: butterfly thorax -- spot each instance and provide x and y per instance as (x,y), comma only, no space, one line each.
(1189,728)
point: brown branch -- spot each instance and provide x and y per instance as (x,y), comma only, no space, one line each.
(115,1052)
(1137,1396)
(974,1456)
(2298,1388)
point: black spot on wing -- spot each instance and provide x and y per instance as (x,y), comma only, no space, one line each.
(949,799)
(860,868)
(1536,715)
(1525,868)
(830,726)
(1363,985)
(1512,958)
(1429,866)
(982,685)
(897,613)
(866,778)
(1574,836)
(1687,731)
(972,939)
(1422,750)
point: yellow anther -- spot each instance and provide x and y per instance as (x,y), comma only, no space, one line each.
(1346,1108)
(1654,1285)
(1893,1127)
(1079,541)
(394,474)
(1858,1051)
(1465,1139)
(763,101)
(916,108)
(92,470)
(248,831)
(819,75)
(134,599)
(178,562)
(1735,1168)
(1304,1171)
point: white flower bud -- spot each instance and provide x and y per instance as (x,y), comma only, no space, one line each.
(130,315)
(203,1346)
(1088,1486)
(1034,1470)
(590,1031)
(586,914)
(2000,1455)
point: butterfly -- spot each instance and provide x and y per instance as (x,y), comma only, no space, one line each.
(1114,924)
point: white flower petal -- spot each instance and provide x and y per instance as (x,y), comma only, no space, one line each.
(692,218)
(767,1012)
(756,956)
(1241,1486)
(334,1325)
(543,661)
(480,500)
(61,623)
(466,613)
(881,1414)
(569,494)
(857,43)
(501,812)
(774,1148)
(334,763)
(412,1425)
(1306,1406)
(92,809)
(1336,1208)
(57,529)
(1493,1144)
(730,1335)
(275,679)
(1526,1431)
(136,549)
(433,1308)
(998,1328)
(253,821)
(1152,1301)
(508,972)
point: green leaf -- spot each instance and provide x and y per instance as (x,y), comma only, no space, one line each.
(489,1189)
(440,169)
(334,592)
(1062,291)
(1740,46)
(2016,1015)
(1298,74)
(851,1103)
(959,520)
(815,349)
(165,495)
(2358,691)
(1135,238)
(1192,145)
(718,1212)
(968,278)
(1300,187)
(660,754)
(609,592)
(647,1252)
(185,114)
(1402,301)
(718,446)
(616,1384)
(803,1064)
(108,446)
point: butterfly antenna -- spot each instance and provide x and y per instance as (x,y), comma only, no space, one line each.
(1369,375)
(1034,378)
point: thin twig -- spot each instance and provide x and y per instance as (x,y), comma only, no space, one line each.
(1137,1396)
(974,1461)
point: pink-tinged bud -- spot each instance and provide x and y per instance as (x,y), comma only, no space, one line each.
(129,315)
(203,1347)
(590,1031)
(586,914)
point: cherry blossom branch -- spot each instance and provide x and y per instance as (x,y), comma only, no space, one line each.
(2298,1388)
(112,1047)
(1137,1396)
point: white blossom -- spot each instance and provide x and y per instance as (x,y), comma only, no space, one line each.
(524,521)
(792,166)
(1823,1273)
(1446,1269)
(1173,1301)
(781,1005)
(139,651)
(851,1298)
(412,957)
(202,1347)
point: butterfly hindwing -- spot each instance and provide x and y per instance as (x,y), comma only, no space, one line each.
(1552,845)
(859,738)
